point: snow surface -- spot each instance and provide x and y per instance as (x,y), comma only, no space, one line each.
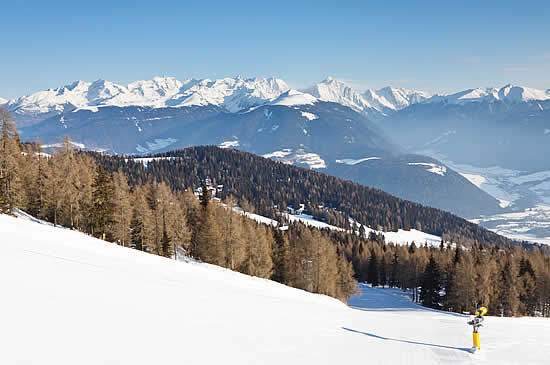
(73,299)
(3,101)
(402,237)
(349,161)
(433,168)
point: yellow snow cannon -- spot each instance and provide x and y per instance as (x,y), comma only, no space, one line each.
(476,322)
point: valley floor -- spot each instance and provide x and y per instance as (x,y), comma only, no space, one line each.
(71,299)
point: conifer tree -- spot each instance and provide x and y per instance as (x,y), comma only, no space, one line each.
(373,269)
(102,203)
(383,274)
(394,276)
(431,285)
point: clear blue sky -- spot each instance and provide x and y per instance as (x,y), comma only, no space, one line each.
(433,45)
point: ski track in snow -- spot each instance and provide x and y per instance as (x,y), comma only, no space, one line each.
(68,291)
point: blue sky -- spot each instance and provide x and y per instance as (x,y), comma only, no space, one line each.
(432,45)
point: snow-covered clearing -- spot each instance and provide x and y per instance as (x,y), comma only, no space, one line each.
(72,299)
(299,157)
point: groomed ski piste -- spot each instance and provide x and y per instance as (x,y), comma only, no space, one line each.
(67,298)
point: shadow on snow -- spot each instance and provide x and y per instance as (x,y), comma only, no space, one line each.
(407,341)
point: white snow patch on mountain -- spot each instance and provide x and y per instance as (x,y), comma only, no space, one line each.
(433,168)
(402,237)
(477,180)
(299,157)
(295,97)
(349,161)
(3,101)
(278,154)
(229,144)
(309,116)
(308,220)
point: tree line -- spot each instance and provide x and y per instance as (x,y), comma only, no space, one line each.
(74,190)
(508,281)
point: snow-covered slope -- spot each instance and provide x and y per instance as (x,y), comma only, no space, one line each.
(69,298)
(3,101)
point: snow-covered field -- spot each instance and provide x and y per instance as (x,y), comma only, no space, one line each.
(71,299)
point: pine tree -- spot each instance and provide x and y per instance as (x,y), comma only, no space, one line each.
(102,203)
(431,285)
(165,242)
(373,269)
(137,236)
(383,274)
(394,276)
(280,256)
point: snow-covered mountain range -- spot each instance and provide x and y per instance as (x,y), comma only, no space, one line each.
(509,93)
(239,94)
(232,93)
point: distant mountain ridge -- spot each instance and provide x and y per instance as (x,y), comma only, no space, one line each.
(239,94)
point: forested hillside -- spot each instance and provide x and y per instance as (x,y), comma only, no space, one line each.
(77,191)
(270,187)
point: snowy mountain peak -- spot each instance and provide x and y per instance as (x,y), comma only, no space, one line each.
(3,101)
(399,98)
(336,91)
